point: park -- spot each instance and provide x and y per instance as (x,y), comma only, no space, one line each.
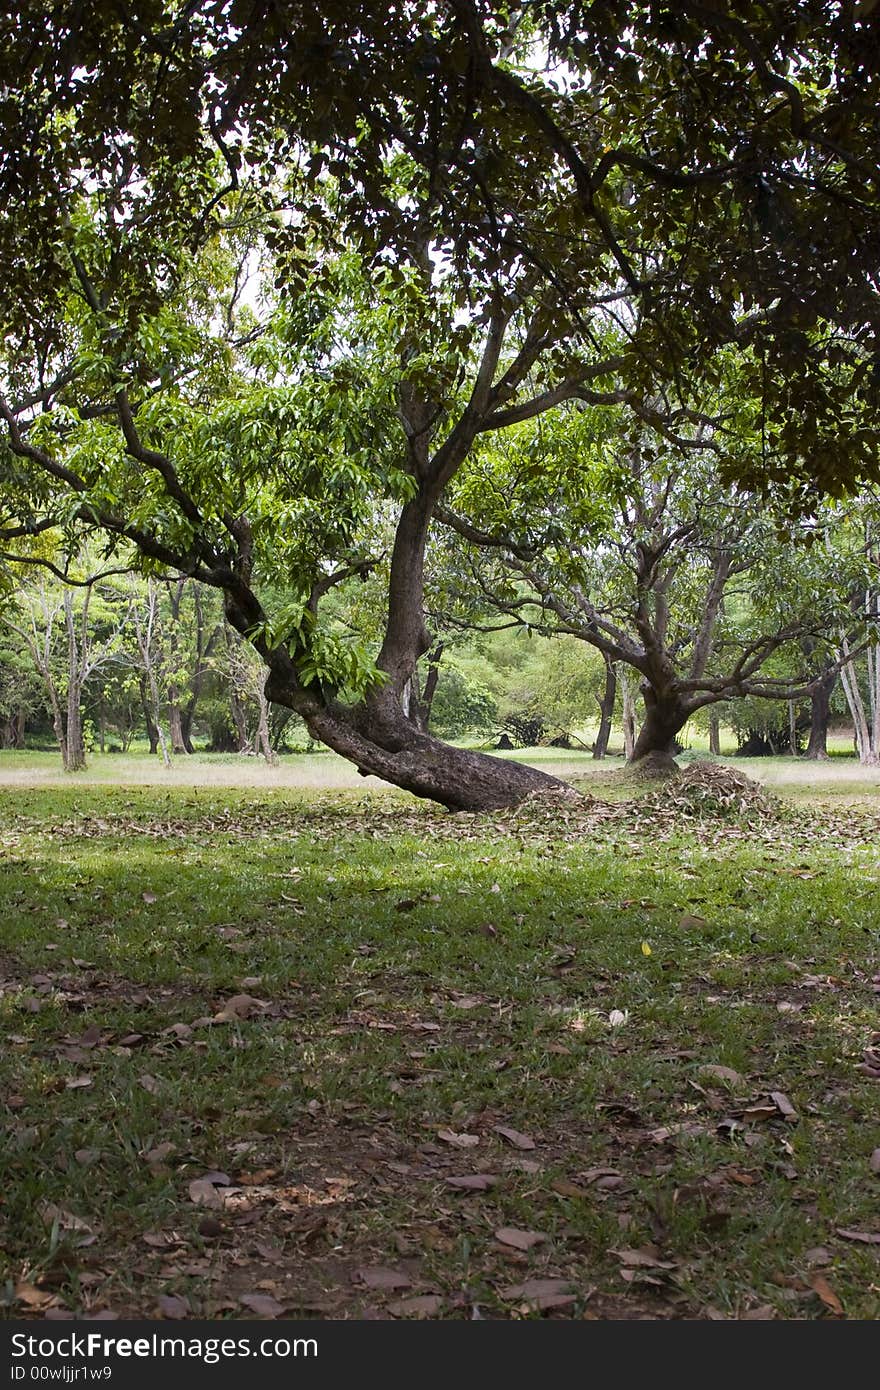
(440,662)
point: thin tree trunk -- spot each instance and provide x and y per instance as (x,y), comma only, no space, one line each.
(714,734)
(606,711)
(629,717)
(152,731)
(263,732)
(74,752)
(865,723)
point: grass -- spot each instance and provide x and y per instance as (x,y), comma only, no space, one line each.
(413,982)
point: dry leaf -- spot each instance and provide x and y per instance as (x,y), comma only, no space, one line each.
(170,1306)
(473,1182)
(514,1137)
(875,1161)
(78,1083)
(379,1277)
(459,1141)
(543,1293)
(32,1297)
(820,1286)
(204,1194)
(149,1084)
(238,1007)
(159,1153)
(520,1240)
(263,1304)
(149,897)
(864,1237)
(647,1257)
(426,1305)
(784,1105)
(722,1073)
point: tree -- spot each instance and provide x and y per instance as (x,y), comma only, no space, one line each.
(643,552)
(450,218)
(70,634)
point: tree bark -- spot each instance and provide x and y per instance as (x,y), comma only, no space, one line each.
(714,734)
(820,714)
(629,717)
(152,731)
(606,711)
(73,750)
(664,719)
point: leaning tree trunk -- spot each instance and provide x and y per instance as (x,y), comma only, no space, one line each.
(376,734)
(606,711)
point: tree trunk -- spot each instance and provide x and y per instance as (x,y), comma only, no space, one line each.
(820,714)
(383,745)
(263,738)
(629,716)
(606,711)
(664,719)
(714,734)
(152,731)
(175,723)
(866,722)
(73,751)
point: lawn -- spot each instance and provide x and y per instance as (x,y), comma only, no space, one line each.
(283,1051)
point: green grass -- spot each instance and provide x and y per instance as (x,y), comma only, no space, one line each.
(419,973)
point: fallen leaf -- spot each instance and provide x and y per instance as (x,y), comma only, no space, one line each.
(263,1304)
(238,1007)
(149,897)
(159,1153)
(865,1237)
(820,1286)
(514,1137)
(32,1297)
(380,1277)
(875,1161)
(170,1306)
(459,1141)
(784,1105)
(425,1305)
(87,1156)
(567,1189)
(520,1240)
(689,922)
(473,1182)
(647,1257)
(150,1084)
(204,1194)
(722,1073)
(78,1083)
(543,1293)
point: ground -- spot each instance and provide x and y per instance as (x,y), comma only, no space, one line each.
(276,1051)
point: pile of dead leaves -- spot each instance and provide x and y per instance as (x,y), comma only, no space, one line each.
(712,790)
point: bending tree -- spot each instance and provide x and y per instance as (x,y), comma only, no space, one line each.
(440,208)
